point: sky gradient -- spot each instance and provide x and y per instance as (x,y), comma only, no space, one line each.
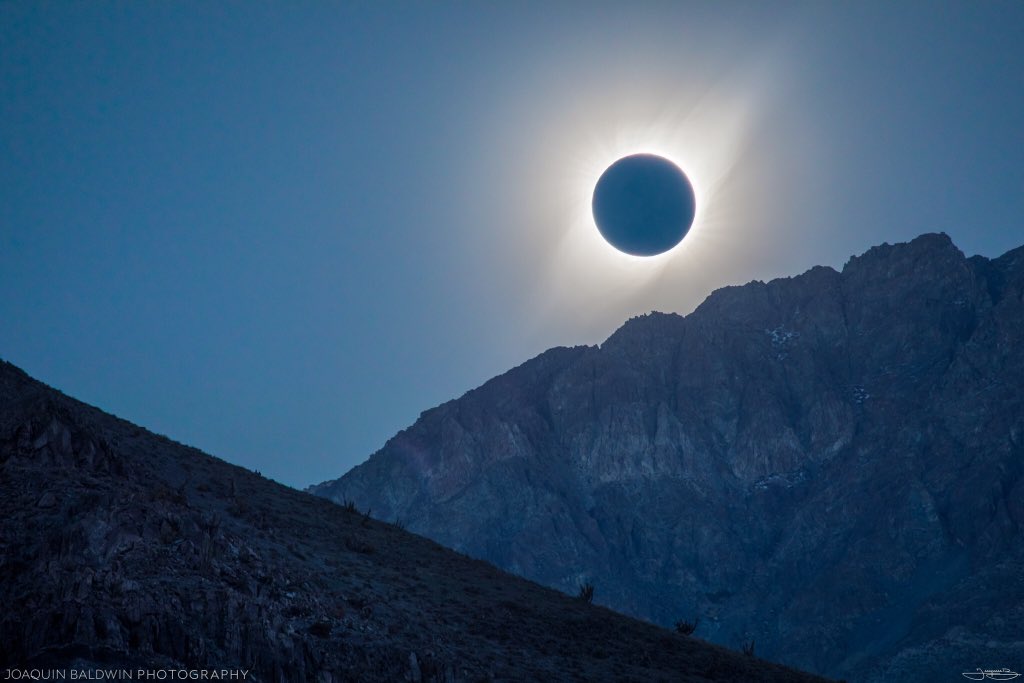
(280,231)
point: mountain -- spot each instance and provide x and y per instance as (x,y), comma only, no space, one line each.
(829,465)
(123,550)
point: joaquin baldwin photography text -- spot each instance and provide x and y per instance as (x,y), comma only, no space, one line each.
(125,675)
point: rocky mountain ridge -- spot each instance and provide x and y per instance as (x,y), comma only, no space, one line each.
(828,464)
(123,550)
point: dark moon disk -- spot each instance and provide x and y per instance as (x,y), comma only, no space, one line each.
(643,205)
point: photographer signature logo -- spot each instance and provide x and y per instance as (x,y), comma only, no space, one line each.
(991,674)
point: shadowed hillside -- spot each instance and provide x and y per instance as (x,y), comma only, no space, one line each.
(121,548)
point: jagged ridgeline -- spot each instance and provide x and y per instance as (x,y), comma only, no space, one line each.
(122,550)
(828,465)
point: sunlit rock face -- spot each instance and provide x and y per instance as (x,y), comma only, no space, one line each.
(828,464)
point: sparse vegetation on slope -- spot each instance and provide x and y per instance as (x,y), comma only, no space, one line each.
(122,548)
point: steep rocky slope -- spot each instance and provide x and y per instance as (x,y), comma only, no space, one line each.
(828,464)
(120,548)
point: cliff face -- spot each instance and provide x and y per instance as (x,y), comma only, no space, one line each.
(122,549)
(828,464)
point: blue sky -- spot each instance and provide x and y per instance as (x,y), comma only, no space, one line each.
(279,231)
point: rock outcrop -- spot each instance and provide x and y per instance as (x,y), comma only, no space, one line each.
(120,549)
(829,465)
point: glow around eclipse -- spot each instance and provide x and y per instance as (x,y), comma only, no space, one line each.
(539,211)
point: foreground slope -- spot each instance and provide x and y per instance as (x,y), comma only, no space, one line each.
(828,464)
(121,548)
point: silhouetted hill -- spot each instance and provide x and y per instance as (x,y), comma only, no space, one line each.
(121,548)
(828,464)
